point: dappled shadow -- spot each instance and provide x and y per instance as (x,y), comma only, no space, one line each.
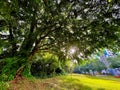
(72,83)
(100,89)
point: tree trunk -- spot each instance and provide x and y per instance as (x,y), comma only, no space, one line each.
(22,68)
(27,45)
(19,73)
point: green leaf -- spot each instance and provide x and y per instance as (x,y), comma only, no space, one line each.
(109,1)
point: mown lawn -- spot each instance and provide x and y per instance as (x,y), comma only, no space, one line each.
(69,82)
(94,83)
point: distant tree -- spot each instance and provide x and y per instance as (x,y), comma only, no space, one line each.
(115,62)
(94,64)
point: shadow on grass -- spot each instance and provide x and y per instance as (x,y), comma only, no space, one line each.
(100,89)
(74,84)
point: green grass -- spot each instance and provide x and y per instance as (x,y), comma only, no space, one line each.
(3,85)
(70,82)
(85,82)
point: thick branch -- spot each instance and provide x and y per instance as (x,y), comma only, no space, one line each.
(29,40)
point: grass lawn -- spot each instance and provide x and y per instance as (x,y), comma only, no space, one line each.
(69,82)
(85,82)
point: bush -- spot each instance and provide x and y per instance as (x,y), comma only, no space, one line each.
(46,65)
(11,66)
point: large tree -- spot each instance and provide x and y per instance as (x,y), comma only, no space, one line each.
(28,26)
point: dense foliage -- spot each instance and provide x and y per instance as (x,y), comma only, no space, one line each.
(46,65)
